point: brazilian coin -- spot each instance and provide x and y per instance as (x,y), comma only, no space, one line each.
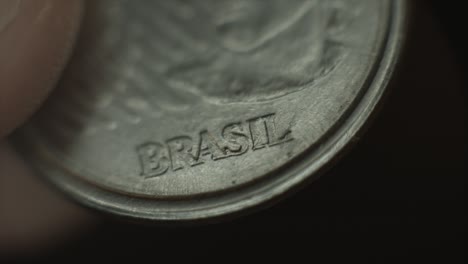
(192,109)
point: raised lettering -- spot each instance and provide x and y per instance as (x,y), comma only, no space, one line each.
(153,159)
(182,152)
(234,139)
(275,135)
(258,133)
(209,146)
(237,139)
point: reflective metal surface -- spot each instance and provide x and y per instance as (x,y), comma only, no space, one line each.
(181,110)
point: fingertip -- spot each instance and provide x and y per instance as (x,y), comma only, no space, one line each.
(36,38)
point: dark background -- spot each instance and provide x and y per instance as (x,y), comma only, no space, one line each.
(396,197)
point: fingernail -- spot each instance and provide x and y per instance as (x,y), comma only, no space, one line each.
(8,12)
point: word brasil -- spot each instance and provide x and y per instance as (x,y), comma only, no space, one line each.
(232,140)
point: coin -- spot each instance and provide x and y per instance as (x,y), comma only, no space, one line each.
(187,110)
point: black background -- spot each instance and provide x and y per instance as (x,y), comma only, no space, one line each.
(396,197)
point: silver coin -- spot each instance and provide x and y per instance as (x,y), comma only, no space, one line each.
(183,110)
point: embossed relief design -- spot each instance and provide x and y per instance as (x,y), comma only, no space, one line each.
(145,58)
(234,139)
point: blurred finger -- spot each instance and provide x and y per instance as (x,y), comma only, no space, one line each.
(36,37)
(33,218)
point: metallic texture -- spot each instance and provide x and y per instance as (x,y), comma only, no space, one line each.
(183,110)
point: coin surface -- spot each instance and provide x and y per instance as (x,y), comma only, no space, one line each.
(181,110)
